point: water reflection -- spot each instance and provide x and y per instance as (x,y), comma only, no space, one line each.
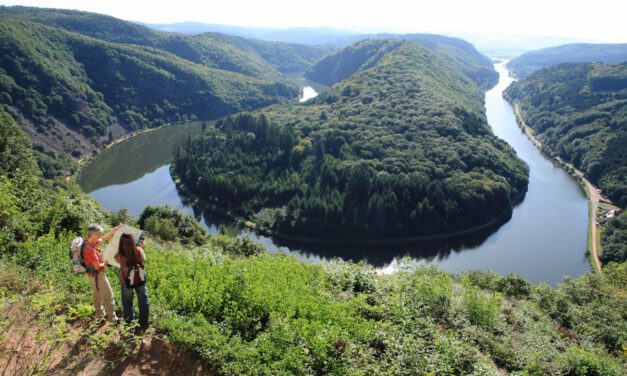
(130,160)
(545,238)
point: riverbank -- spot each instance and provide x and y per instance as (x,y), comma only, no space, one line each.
(589,189)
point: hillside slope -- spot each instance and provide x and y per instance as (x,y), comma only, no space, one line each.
(579,111)
(350,60)
(398,149)
(247,56)
(529,62)
(75,92)
(457,51)
(479,67)
(284,57)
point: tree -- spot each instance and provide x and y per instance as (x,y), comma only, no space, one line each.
(16,155)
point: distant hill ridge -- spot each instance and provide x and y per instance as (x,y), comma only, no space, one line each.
(359,56)
(216,50)
(529,62)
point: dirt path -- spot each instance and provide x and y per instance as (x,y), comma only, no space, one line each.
(30,345)
(591,191)
(594,196)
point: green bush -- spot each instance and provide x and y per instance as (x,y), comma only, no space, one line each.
(513,285)
(162,228)
(348,277)
(480,307)
(579,362)
(122,216)
(554,303)
(614,240)
(169,224)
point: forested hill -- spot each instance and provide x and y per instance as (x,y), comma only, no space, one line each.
(285,57)
(529,62)
(247,56)
(579,111)
(358,56)
(350,60)
(77,91)
(399,149)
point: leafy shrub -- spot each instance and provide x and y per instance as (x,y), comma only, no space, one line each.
(431,290)
(169,224)
(122,216)
(241,246)
(554,303)
(579,362)
(163,228)
(614,240)
(513,285)
(16,155)
(481,308)
(455,357)
(483,279)
(504,355)
(345,276)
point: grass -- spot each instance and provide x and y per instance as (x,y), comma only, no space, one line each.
(277,315)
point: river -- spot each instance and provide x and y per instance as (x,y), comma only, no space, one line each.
(544,240)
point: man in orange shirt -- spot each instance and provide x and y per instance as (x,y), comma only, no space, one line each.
(102,295)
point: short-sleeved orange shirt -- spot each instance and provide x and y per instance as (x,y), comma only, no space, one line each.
(92,256)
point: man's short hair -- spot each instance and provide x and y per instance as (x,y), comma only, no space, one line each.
(94,227)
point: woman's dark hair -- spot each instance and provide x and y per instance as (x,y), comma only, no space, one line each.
(128,251)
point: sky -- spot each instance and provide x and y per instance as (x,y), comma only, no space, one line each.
(603,20)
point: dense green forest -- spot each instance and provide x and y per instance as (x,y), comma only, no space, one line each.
(350,60)
(243,311)
(614,240)
(529,62)
(77,80)
(285,57)
(399,149)
(360,56)
(579,112)
(247,56)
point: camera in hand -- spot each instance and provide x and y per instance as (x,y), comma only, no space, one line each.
(142,237)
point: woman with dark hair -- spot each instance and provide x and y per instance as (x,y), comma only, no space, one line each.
(133,279)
